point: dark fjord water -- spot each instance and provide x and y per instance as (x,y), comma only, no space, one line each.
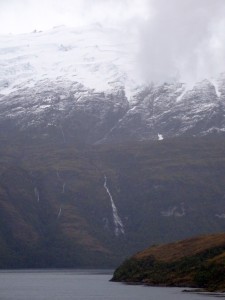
(80,285)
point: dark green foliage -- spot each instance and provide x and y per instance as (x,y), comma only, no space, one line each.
(132,269)
(209,276)
(193,271)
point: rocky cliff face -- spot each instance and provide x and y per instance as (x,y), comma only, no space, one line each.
(68,111)
(169,110)
(62,113)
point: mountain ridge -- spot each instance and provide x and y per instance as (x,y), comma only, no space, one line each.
(48,87)
(102,155)
(75,112)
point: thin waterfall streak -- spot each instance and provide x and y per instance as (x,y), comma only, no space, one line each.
(119,227)
(36,193)
(63,189)
(58,176)
(59,213)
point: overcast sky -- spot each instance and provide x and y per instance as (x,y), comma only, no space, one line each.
(182,39)
(19,16)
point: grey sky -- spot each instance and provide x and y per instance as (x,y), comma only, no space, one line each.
(182,39)
(18,16)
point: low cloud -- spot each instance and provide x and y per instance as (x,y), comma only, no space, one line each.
(18,16)
(183,40)
(178,39)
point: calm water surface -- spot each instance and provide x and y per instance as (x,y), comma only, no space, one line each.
(80,285)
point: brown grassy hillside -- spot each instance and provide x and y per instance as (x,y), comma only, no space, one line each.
(196,262)
(175,251)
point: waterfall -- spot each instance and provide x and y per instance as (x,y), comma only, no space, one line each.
(59,213)
(119,227)
(36,193)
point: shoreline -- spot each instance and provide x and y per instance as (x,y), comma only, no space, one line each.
(186,289)
(204,292)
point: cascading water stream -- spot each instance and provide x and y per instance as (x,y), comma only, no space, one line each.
(119,227)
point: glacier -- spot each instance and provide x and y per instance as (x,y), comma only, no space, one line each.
(82,85)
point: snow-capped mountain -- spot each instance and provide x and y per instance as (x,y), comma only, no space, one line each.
(96,57)
(67,205)
(82,85)
(170,110)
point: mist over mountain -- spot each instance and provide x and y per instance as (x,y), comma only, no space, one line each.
(183,40)
(85,81)
(111,134)
(176,40)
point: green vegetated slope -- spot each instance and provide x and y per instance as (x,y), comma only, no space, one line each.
(196,262)
(56,212)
